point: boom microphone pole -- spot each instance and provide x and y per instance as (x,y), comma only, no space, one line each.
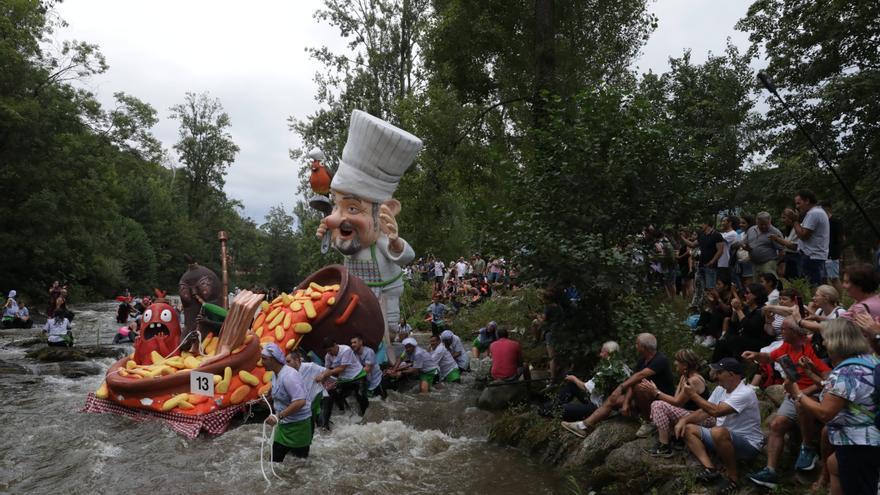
(765,80)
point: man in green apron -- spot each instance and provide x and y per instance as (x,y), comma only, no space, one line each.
(342,363)
(292,406)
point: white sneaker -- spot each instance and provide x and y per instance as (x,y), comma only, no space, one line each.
(709,342)
(575,427)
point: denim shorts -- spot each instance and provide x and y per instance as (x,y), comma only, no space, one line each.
(742,449)
(832,269)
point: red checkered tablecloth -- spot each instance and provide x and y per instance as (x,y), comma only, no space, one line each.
(214,423)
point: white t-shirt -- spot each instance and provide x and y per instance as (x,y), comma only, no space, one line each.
(444,360)
(57,330)
(816,247)
(460,269)
(374,377)
(308,372)
(438,268)
(345,357)
(746,421)
(729,238)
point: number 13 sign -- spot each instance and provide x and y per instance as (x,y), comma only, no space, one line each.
(201,383)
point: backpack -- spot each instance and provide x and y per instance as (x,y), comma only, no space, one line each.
(875,396)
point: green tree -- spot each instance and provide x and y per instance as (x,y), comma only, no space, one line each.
(823,57)
(205,148)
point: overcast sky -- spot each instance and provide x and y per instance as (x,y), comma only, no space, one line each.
(251,55)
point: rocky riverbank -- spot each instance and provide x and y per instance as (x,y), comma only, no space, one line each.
(611,460)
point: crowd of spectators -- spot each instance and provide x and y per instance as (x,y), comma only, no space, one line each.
(763,330)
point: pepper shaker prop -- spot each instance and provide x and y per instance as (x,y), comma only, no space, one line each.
(362,224)
(319,180)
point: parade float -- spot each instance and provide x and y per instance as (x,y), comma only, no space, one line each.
(155,380)
(200,377)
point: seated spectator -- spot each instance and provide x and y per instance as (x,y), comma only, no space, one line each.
(860,282)
(823,307)
(746,332)
(24,315)
(627,398)
(484,338)
(715,312)
(774,315)
(737,431)
(797,352)
(126,333)
(609,373)
(507,360)
(848,407)
(666,410)
(58,330)
(449,371)
(456,348)
(416,362)
(772,286)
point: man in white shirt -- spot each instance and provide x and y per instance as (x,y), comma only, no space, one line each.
(322,403)
(456,348)
(814,234)
(737,432)
(367,357)
(449,371)
(342,363)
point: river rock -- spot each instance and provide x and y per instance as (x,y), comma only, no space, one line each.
(61,354)
(494,398)
(775,393)
(7,368)
(607,436)
(26,342)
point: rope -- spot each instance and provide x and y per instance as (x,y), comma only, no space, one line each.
(264,441)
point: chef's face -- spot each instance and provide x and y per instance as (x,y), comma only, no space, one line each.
(354,223)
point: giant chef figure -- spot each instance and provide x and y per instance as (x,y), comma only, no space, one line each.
(362,224)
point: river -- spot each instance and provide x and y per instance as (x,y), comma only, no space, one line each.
(434,444)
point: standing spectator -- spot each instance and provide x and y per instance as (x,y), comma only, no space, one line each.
(757,242)
(496,268)
(835,246)
(711,248)
(479,265)
(725,261)
(848,407)
(790,258)
(439,271)
(54,295)
(737,431)
(685,267)
(813,236)
(437,312)
(743,271)
(461,269)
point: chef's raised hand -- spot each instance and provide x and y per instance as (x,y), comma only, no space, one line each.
(387,222)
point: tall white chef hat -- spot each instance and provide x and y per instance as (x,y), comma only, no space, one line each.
(374,158)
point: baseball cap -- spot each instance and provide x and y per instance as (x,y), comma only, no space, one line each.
(728,364)
(410,341)
(446,335)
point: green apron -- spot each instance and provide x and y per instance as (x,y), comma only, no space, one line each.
(295,435)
